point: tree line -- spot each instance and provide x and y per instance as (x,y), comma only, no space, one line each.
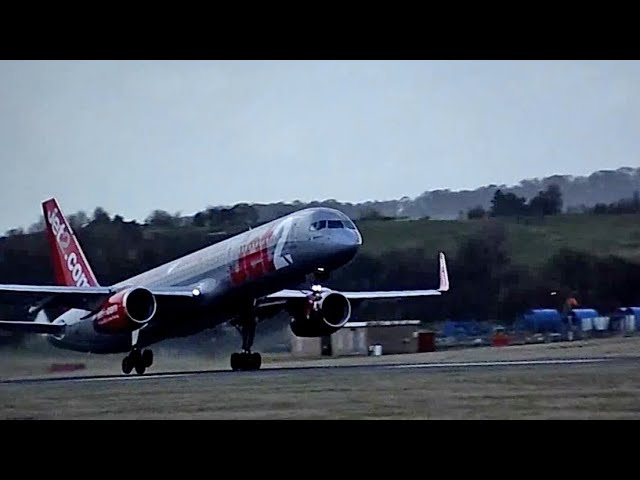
(486,284)
(547,202)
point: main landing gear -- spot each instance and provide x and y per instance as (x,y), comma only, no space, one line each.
(246,359)
(138,359)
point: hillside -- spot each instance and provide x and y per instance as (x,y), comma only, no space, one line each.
(531,242)
(604,186)
(578,193)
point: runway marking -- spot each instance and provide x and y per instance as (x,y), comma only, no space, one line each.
(502,363)
(149,376)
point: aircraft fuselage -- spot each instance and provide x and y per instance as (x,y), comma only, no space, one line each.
(228,275)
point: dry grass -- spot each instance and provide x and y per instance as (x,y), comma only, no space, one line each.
(564,392)
(596,391)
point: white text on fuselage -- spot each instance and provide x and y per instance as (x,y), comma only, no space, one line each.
(111,310)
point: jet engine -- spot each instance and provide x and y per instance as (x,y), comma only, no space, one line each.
(320,314)
(125,311)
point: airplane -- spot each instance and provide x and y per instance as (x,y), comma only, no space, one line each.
(241,281)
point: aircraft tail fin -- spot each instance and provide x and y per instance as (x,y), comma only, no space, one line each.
(69,262)
(444,273)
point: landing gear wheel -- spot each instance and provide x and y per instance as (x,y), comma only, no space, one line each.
(137,360)
(147,358)
(236,361)
(246,361)
(246,322)
(127,365)
(256,361)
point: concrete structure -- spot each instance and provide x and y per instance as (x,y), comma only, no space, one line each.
(355,338)
(305,347)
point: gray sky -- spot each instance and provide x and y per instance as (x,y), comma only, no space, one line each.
(132,136)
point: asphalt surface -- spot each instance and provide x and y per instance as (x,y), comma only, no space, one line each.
(538,363)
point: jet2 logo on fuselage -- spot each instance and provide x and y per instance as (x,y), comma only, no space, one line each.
(255,259)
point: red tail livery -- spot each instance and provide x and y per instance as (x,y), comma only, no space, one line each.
(69,263)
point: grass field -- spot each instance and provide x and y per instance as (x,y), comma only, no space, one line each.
(531,241)
(551,392)
(597,391)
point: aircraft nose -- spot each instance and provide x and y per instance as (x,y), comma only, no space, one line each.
(348,241)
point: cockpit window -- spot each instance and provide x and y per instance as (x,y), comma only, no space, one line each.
(318,225)
(349,224)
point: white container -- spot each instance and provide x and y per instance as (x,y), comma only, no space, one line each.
(629,323)
(377,350)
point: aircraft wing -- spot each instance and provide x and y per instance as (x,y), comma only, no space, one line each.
(361,295)
(32,327)
(375,295)
(54,290)
(76,297)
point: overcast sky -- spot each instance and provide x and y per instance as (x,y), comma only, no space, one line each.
(132,136)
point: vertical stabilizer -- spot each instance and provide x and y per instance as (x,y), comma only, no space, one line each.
(69,262)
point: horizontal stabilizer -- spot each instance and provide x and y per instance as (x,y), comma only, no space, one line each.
(32,327)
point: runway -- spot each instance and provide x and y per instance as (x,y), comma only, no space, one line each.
(549,362)
(577,386)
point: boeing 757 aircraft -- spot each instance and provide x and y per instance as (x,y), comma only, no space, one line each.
(241,280)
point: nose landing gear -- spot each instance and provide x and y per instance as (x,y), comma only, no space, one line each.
(246,360)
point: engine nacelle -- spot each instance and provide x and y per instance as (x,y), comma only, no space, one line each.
(320,314)
(126,311)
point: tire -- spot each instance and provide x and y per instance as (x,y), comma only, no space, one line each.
(140,368)
(236,361)
(127,365)
(147,358)
(256,361)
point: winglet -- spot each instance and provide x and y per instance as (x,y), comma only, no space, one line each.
(444,274)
